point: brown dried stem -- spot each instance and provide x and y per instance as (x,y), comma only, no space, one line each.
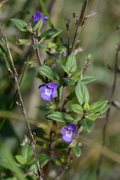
(80,23)
(107,118)
(21,104)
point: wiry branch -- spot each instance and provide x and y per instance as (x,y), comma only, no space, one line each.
(21,104)
(107,117)
(80,22)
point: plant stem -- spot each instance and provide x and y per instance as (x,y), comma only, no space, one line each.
(35,42)
(50,152)
(68,162)
(21,104)
(78,29)
(107,118)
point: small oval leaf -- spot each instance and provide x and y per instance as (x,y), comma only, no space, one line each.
(87,78)
(76,108)
(43,159)
(60,116)
(81,92)
(20,24)
(97,106)
(61,145)
(48,72)
(21,159)
(87,124)
(76,150)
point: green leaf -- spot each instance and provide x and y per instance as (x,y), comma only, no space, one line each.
(86,106)
(87,124)
(33,168)
(41,46)
(76,108)
(71,96)
(60,116)
(51,45)
(86,78)
(42,144)
(65,69)
(7,156)
(24,150)
(38,25)
(68,81)
(60,88)
(32,64)
(30,151)
(48,72)
(76,150)
(97,106)
(71,63)
(82,93)
(41,77)
(93,117)
(77,75)
(24,41)
(105,108)
(43,159)
(50,33)
(20,24)
(27,151)
(21,159)
(61,145)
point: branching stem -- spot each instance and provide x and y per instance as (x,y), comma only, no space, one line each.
(21,104)
(78,28)
(107,118)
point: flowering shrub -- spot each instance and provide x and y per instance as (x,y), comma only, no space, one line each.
(72,80)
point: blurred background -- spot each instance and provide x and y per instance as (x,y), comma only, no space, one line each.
(99,38)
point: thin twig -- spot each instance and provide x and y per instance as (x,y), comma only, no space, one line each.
(68,162)
(38,56)
(35,42)
(78,29)
(21,104)
(107,118)
(67,22)
(86,66)
(50,152)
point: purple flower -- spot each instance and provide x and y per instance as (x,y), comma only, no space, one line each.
(49,91)
(69,132)
(37,16)
(63,54)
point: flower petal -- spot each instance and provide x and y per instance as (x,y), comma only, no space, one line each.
(54,93)
(74,134)
(46,17)
(63,130)
(67,138)
(32,17)
(42,88)
(63,54)
(72,127)
(44,22)
(45,97)
(52,85)
(37,16)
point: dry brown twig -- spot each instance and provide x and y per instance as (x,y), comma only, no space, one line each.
(107,115)
(21,104)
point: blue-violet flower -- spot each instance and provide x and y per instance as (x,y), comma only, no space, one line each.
(37,16)
(63,54)
(49,91)
(69,132)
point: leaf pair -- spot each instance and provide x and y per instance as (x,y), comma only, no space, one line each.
(71,64)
